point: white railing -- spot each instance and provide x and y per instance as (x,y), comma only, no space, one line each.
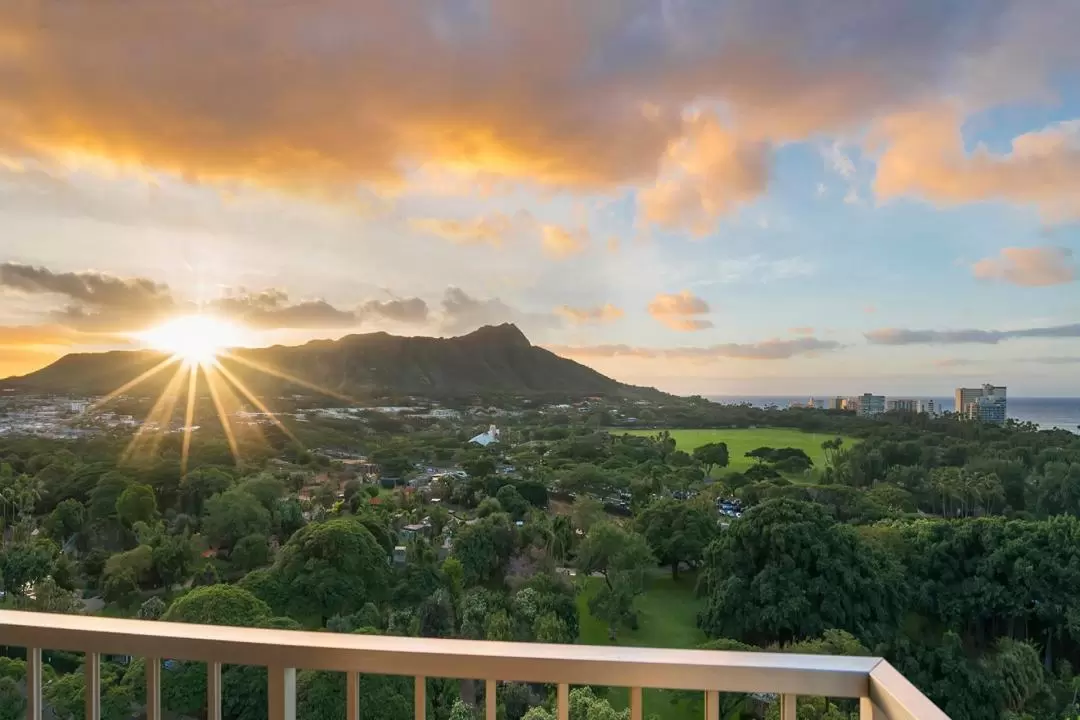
(882,691)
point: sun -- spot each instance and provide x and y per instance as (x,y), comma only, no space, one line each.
(195,339)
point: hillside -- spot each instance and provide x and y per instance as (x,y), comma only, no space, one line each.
(493,359)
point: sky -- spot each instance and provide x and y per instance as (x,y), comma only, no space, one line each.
(706,196)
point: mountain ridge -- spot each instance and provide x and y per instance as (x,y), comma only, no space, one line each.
(491,359)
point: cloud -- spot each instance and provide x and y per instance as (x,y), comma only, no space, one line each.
(678,311)
(766,350)
(401,310)
(462,313)
(99,302)
(593,315)
(898,336)
(328,94)
(1057,360)
(90,287)
(271,310)
(801,330)
(490,230)
(1029,267)
(559,242)
(705,175)
(924,156)
(953,362)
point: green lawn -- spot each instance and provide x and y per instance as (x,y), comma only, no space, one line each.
(741,440)
(667,617)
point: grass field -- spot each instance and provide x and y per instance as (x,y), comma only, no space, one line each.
(741,440)
(667,617)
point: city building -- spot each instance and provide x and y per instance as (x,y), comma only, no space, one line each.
(929,407)
(836,403)
(986,404)
(902,405)
(870,404)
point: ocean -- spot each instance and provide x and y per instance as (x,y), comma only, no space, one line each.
(1047,413)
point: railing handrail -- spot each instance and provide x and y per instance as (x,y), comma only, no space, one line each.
(707,670)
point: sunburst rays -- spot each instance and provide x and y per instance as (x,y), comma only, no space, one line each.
(228,393)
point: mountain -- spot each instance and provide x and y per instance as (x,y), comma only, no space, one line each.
(494,359)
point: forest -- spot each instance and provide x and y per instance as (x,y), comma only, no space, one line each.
(950,548)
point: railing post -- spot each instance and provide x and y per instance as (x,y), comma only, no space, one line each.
(213,691)
(787,707)
(33,683)
(282,693)
(866,708)
(712,705)
(491,708)
(92,676)
(352,696)
(419,697)
(153,688)
(563,702)
(635,703)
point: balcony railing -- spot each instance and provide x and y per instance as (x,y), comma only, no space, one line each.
(882,692)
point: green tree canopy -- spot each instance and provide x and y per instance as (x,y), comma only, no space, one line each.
(677,531)
(232,515)
(786,571)
(136,504)
(339,565)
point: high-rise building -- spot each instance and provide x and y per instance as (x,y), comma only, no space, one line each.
(986,404)
(870,404)
(929,407)
(902,405)
(837,403)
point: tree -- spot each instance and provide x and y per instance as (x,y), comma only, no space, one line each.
(151,609)
(512,501)
(65,520)
(786,571)
(760,455)
(233,514)
(484,548)
(265,487)
(199,486)
(288,517)
(24,564)
(108,490)
(172,560)
(12,702)
(622,558)
(250,552)
(677,531)
(219,605)
(712,455)
(321,694)
(338,563)
(136,504)
(585,512)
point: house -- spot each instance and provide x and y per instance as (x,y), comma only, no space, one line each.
(485,439)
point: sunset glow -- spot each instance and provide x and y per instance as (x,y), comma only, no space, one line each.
(196,339)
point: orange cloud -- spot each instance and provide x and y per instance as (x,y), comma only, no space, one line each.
(1029,267)
(705,175)
(558,242)
(580,316)
(324,94)
(490,230)
(679,310)
(925,156)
